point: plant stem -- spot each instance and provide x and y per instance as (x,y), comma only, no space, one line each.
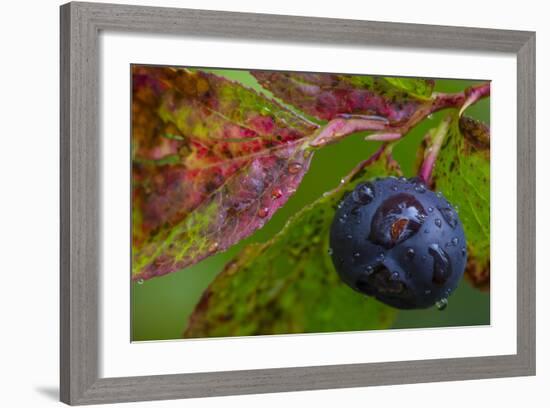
(438,136)
(345,125)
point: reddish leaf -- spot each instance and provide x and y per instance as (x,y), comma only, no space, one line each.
(212,161)
(327,96)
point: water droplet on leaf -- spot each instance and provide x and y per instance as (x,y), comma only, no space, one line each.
(213,247)
(438,222)
(294,167)
(276,193)
(263,212)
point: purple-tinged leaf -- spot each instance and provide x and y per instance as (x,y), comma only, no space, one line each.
(212,162)
(326,96)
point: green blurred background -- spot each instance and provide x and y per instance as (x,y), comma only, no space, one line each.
(161,306)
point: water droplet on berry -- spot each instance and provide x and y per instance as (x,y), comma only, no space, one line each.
(403,179)
(420,188)
(454,241)
(397,219)
(441,304)
(437,222)
(430,209)
(410,254)
(442,269)
(276,193)
(363,193)
(449,215)
(369,270)
(394,188)
(263,212)
(463,251)
(380,257)
(395,276)
(294,167)
(357,254)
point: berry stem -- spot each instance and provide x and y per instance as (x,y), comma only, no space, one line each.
(437,136)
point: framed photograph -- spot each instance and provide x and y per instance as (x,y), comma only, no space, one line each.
(260,203)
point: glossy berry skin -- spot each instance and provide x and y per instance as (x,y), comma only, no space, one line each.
(398,241)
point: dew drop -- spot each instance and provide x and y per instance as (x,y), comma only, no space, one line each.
(357,254)
(349,236)
(330,251)
(442,269)
(294,167)
(397,219)
(420,188)
(276,193)
(449,215)
(363,193)
(438,222)
(369,270)
(454,241)
(140,281)
(342,181)
(213,247)
(439,194)
(410,254)
(430,209)
(263,212)
(403,179)
(430,116)
(441,304)
(427,291)
(395,276)
(380,257)
(463,251)
(426,231)
(394,188)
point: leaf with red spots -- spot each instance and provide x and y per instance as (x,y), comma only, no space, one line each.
(288,284)
(211,162)
(327,96)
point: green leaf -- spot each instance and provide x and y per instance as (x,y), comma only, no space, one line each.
(289,285)
(420,88)
(462,173)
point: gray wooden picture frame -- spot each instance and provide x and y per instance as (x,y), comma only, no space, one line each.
(81,24)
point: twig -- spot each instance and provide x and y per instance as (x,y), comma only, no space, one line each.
(438,136)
